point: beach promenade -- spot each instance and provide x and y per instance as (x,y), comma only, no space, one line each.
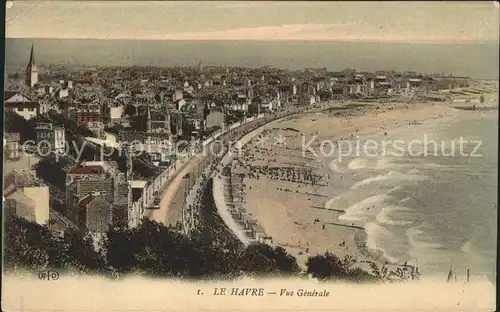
(175,193)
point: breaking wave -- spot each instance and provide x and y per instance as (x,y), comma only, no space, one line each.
(384,216)
(392,176)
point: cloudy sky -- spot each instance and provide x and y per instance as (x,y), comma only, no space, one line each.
(437,22)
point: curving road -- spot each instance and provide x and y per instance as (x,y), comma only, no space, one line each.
(174,195)
(176,190)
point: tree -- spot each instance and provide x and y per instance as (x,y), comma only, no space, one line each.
(78,250)
(329,266)
(129,110)
(262,259)
(120,249)
(27,245)
(32,247)
(16,123)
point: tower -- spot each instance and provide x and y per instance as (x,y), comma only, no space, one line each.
(32,70)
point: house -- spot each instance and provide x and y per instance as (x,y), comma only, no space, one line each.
(97,177)
(214,119)
(94,214)
(177,94)
(45,106)
(307,99)
(96,127)
(266,104)
(355,89)
(139,201)
(87,113)
(188,87)
(209,83)
(192,126)
(26,197)
(61,93)
(413,84)
(92,170)
(240,103)
(21,105)
(11,145)
(179,104)
(50,138)
(115,113)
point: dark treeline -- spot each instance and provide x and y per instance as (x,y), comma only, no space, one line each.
(153,249)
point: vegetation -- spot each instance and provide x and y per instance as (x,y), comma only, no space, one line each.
(29,246)
(16,123)
(153,249)
(331,267)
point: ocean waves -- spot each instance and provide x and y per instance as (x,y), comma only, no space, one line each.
(390,178)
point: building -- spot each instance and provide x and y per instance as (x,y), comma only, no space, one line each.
(115,113)
(179,104)
(45,106)
(11,145)
(193,126)
(87,113)
(214,119)
(240,103)
(413,85)
(266,104)
(61,93)
(32,70)
(94,214)
(50,138)
(177,95)
(149,126)
(26,197)
(21,105)
(307,99)
(100,178)
(97,128)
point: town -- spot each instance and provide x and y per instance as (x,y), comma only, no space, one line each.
(70,163)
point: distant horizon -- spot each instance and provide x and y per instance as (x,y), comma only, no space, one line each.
(481,59)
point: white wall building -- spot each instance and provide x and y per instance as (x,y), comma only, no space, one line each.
(40,196)
(50,137)
(26,110)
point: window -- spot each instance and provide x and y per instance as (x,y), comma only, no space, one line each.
(31,109)
(20,109)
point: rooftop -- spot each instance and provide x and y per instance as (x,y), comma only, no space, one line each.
(138,184)
(87,170)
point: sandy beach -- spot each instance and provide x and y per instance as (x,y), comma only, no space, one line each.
(289,194)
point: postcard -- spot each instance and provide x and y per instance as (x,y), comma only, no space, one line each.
(250,156)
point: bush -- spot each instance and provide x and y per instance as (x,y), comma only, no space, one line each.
(262,259)
(32,247)
(331,267)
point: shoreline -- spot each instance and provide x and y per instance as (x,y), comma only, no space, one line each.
(295,233)
(171,192)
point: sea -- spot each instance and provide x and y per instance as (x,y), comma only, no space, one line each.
(436,211)
(481,59)
(431,207)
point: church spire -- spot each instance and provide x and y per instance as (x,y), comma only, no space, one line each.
(32,70)
(32,56)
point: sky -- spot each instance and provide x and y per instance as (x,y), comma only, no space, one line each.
(410,22)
